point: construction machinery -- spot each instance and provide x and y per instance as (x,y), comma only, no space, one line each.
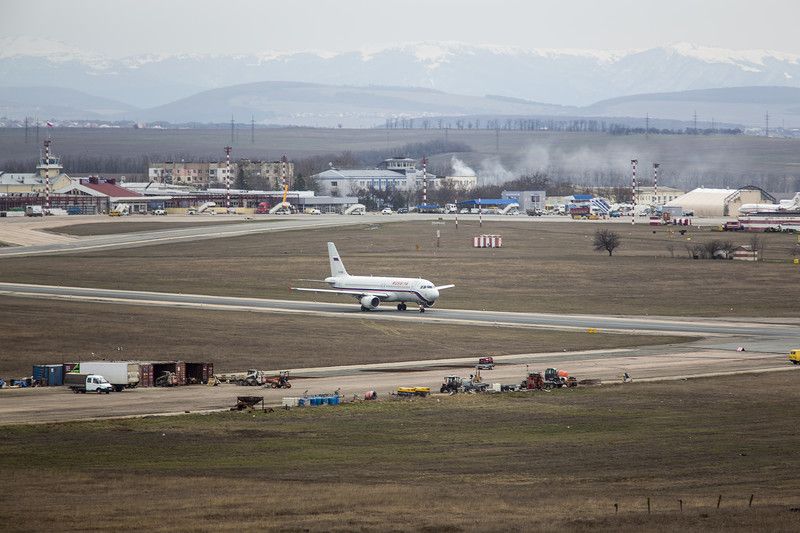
(533,381)
(794,357)
(451,384)
(166,379)
(281,381)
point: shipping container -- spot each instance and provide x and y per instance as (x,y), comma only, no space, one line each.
(198,373)
(146,375)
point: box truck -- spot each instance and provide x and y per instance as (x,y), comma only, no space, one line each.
(120,374)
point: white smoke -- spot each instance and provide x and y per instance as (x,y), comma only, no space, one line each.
(460,168)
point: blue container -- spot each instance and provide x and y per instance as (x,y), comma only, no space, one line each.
(335,400)
(40,373)
(55,375)
(301,402)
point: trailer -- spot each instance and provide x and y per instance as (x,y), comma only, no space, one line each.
(120,374)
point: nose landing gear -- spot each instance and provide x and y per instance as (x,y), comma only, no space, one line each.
(421,309)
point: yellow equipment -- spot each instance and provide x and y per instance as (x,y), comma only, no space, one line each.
(794,357)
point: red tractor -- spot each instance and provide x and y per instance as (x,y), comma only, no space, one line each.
(279,382)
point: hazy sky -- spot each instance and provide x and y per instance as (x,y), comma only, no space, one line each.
(126,27)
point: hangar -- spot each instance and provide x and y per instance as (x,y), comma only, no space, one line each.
(720,202)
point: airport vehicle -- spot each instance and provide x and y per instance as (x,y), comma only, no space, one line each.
(34,211)
(120,210)
(371,291)
(794,357)
(262,208)
(120,374)
(84,383)
(485,363)
(312,211)
(160,212)
(387,211)
(402,211)
(534,212)
(450,209)
(580,212)
(356,209)
(615,214)
(732,226)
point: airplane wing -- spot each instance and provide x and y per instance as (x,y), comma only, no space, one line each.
(349,292)
(440,287)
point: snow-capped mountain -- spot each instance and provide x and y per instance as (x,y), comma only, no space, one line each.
(563,77)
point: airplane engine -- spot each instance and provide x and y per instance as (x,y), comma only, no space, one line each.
(370,302)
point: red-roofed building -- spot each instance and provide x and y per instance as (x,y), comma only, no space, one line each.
(106,188)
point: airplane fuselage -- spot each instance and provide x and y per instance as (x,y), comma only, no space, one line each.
(416,290)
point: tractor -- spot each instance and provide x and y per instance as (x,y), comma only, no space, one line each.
(451,384)
(279,382)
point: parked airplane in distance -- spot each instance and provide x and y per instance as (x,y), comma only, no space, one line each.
(371,291)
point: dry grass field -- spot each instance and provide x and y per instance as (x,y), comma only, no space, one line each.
(123,226)
(542,267)
(518,462)
(58,331)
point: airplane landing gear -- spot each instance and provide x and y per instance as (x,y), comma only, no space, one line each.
(364,308)
(401,307)
(421,309)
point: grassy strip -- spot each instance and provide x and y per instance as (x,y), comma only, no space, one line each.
(517,461)
(58,331)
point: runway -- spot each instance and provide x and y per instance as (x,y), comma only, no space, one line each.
(627,324)
(164,236)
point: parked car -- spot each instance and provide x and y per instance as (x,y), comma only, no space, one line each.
(402,211)
(160,212)
(615,214)
(386,211)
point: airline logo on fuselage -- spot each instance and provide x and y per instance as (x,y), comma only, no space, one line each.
(400,283)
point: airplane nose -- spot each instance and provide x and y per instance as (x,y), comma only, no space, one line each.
(434,294)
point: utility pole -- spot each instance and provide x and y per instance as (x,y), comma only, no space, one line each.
(37,129)
(767,130)
(647,126)
(26,130)
(633,189)
(252,130)
(695,122)
(232,128)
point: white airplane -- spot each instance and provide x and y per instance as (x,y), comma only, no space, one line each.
(371,291)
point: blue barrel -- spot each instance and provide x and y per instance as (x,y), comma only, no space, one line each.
(301,402)
(335,400)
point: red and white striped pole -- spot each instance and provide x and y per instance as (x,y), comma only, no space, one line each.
(228,176)
(655,183)
(283,172)
(633,189)
(47,173)
(480,214)
(425,180)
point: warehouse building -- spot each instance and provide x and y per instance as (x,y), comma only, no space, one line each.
(660,196)
(720,202)
(396,173)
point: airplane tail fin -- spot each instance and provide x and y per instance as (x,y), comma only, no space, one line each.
(337,267)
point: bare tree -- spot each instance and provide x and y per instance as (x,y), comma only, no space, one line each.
(758,246)
(607,240)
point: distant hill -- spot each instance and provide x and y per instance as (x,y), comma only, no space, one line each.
(309,104)
(59,103)
(739,105)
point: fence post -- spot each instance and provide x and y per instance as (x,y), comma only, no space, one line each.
(648,505)
(750,504)
(719,501)
(680,504)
